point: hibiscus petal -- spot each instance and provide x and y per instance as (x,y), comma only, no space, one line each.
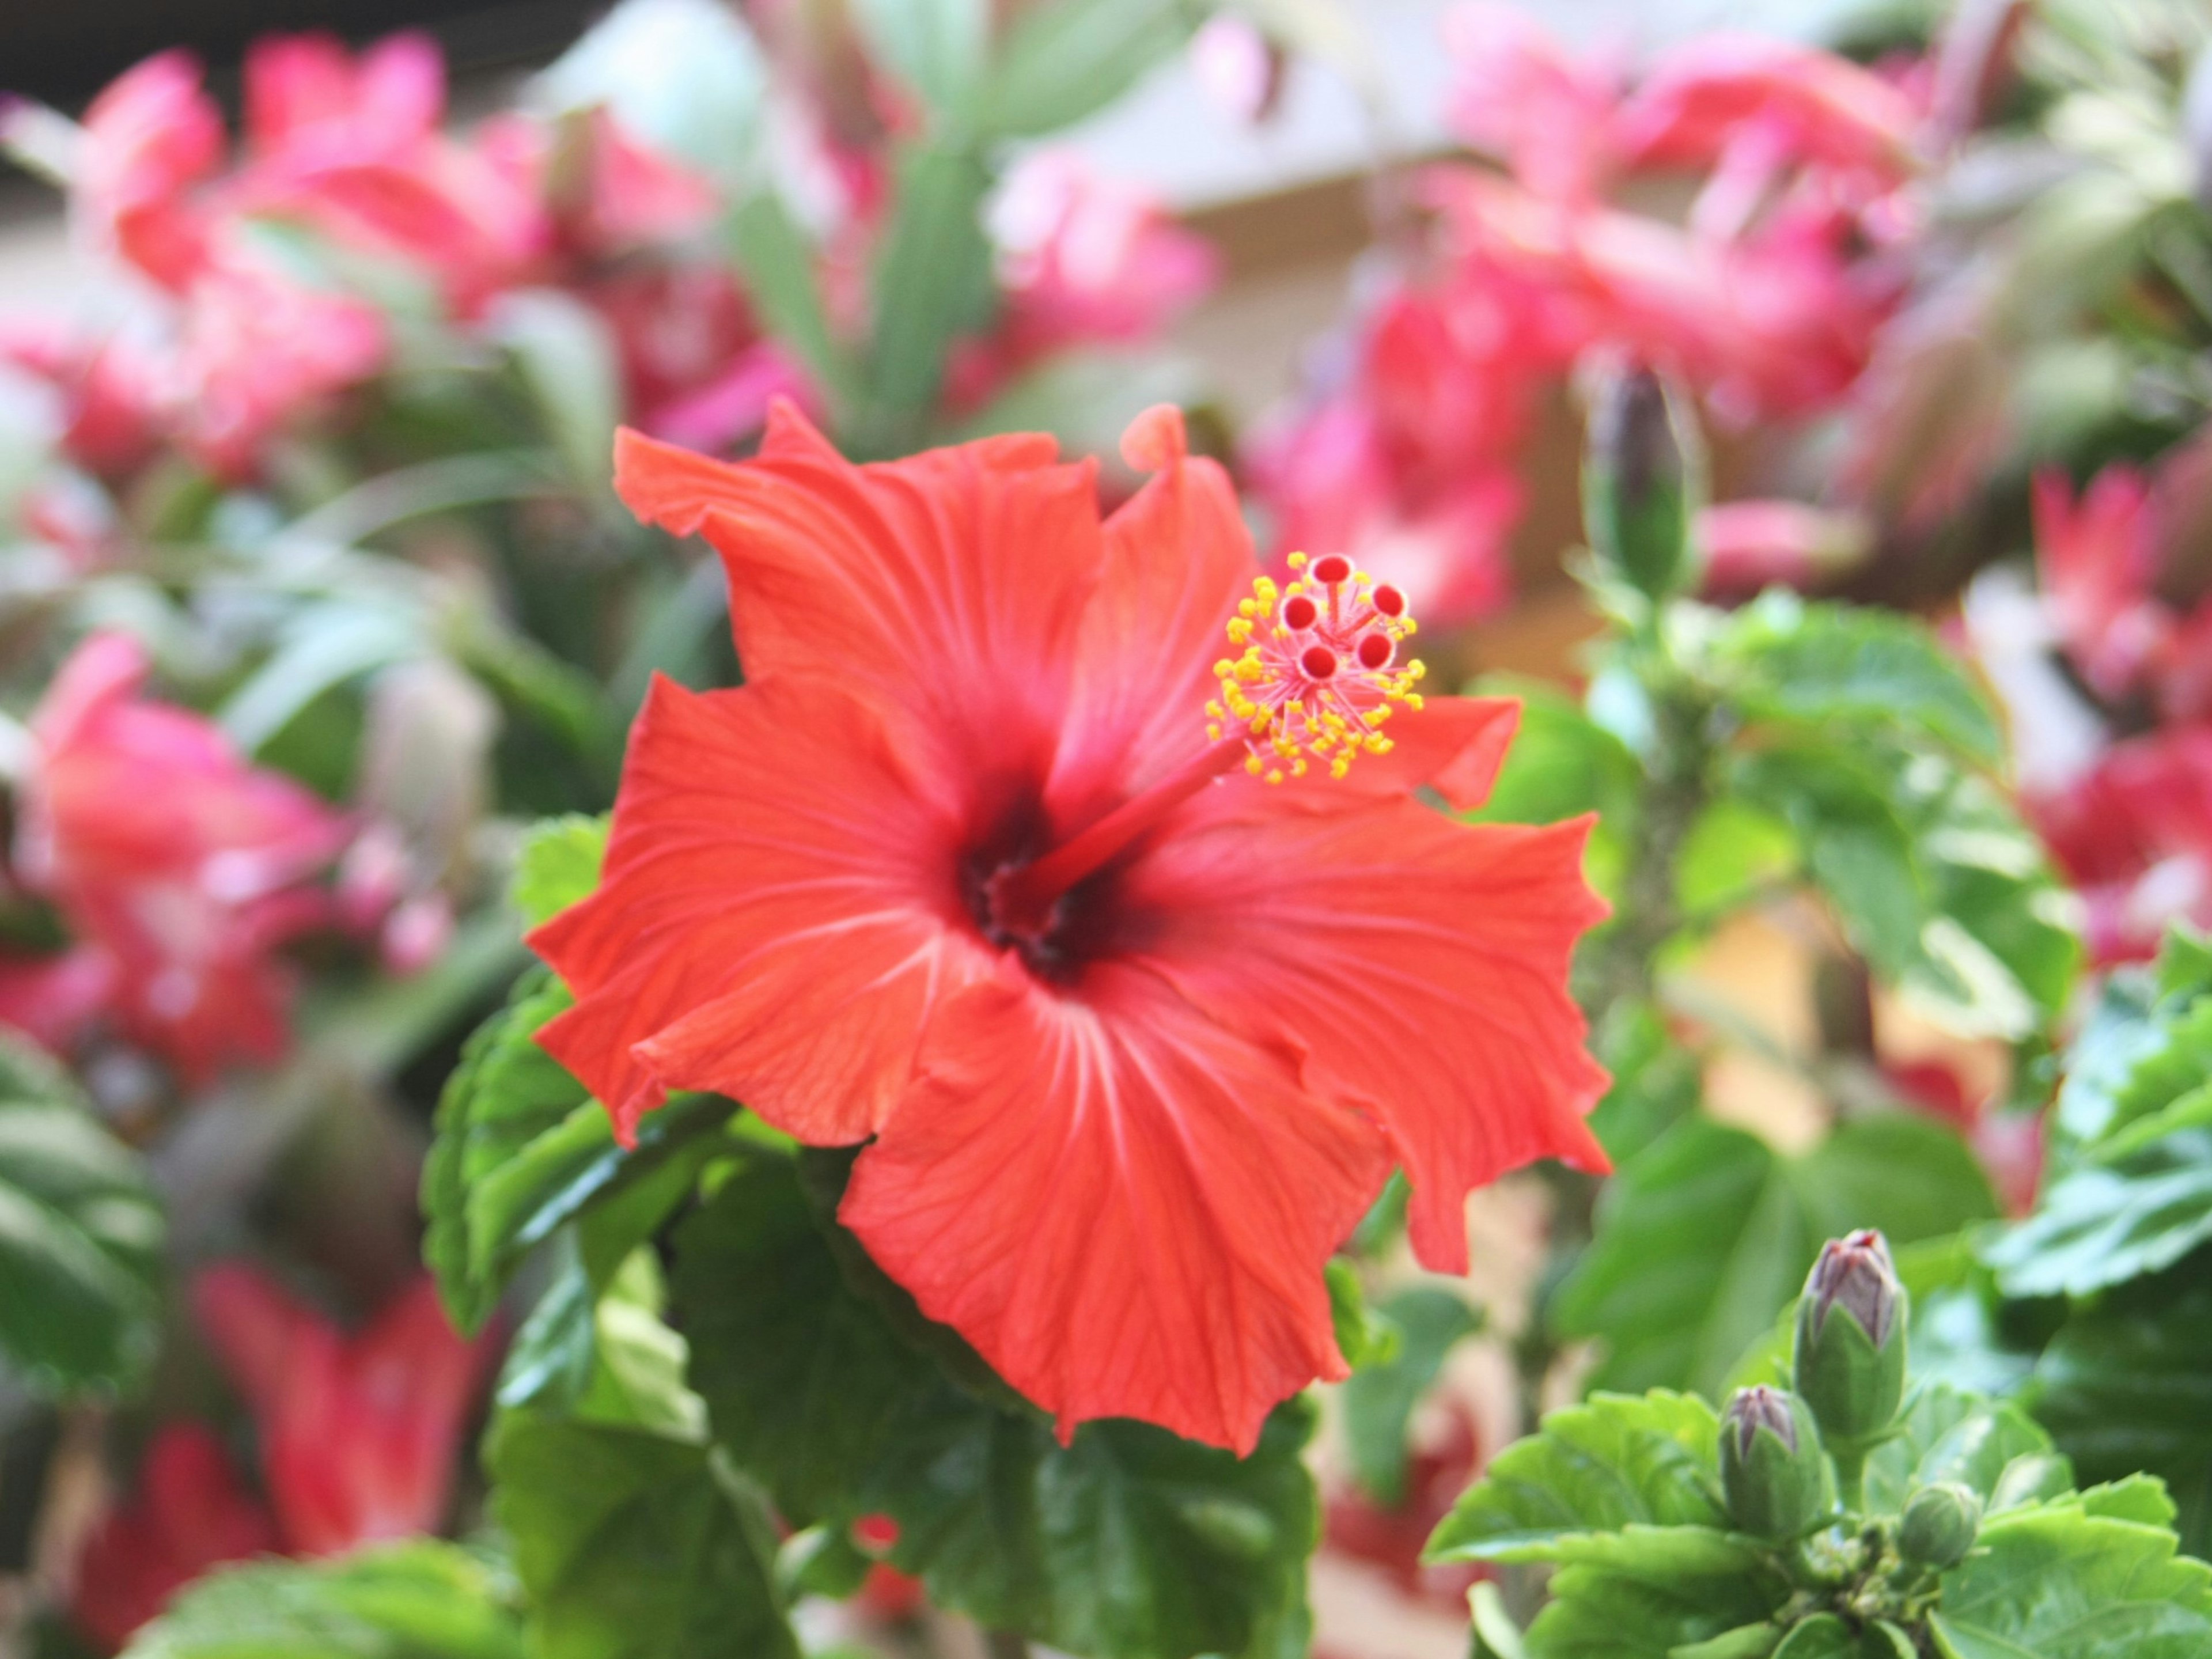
(1177,559)
(1420,964)
(948,587)
(1125,1207)
(776,920)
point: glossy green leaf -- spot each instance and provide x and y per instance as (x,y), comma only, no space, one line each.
(1128,1542)
(2054,1581)
(1703,1237)
(2104,1224)
(1378,1400)
(80,1236)
(1064,59)
(558,866)
(1612,1461)
(1651,1592)
(630,1543)
(1945,1434)
(421,1600)
(1829,666)
(2124,1389)
(1858,849)
(521,1149)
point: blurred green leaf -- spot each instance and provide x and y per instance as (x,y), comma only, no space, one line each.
(1379,1398)
(2124,1389)
(780,280)
(1653,1593)
(419,1599)
(936,46)
(80,1236)
(1829,666)
(634,1546)
(1703,1237)
(558,866)
(1656,1081)
(932,283)
(325,646)
(1064,59)
(566,356)
(1615,1461)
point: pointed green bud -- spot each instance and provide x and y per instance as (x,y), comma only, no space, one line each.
(1850,1361)
(1640,483)
(1939,1524)
(1773,1473)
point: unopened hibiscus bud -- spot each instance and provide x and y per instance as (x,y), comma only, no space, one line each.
(1639,479)
(1849,1364)
(1773,1473)
(1939,1525)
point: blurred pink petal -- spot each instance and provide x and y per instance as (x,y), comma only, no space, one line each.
(1519,95)
(359,1433)
(1750,546)
(149,139)
(188,1514)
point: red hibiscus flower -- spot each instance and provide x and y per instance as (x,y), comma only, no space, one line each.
(177,866)
(2097,557)
(357,1432)
(1134,1037)
(188,1514)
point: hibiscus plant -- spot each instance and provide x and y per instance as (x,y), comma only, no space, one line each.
(674,989)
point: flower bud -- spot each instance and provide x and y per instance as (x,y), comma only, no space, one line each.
(1939,1524)
(1849,1364)
(1773,1473)
(1639,478)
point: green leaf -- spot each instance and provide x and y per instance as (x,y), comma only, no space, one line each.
(1612,1461)
(1364,1335)
(1563,764)
(421,1600)
(1649,1592)
(1734,851)
(565,353)
(521,1149)
(80,1236)
(2054,1581)
(1828,665)
(1065,59)
(632,1544)
(2102,1225)
(558,865)
(1823,1636)
(1127,1542)
(605,1356)
(1946,1434)
(1857,848)
(2128,1389)
(779,267)
(1703,1237)
(1379,1398)
(1656,1081)
(932,283)
(936,46)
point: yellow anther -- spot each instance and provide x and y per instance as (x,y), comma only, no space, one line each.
(1213,731)
(1296,561)
(1275,777)
(1254,764)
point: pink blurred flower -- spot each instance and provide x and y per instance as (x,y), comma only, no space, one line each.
(188,1514)
(358,1433)
(2135,836)
(1750,546)
(177,867)
(1519,95)
(255,351)
(1808,106)
(1083,261)
(2097,557)
(149,141)
(1238,68)
(352,147)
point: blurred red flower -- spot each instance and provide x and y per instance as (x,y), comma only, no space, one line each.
(1136,1047)
(188,1513)
(177,867)
(358,1433)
